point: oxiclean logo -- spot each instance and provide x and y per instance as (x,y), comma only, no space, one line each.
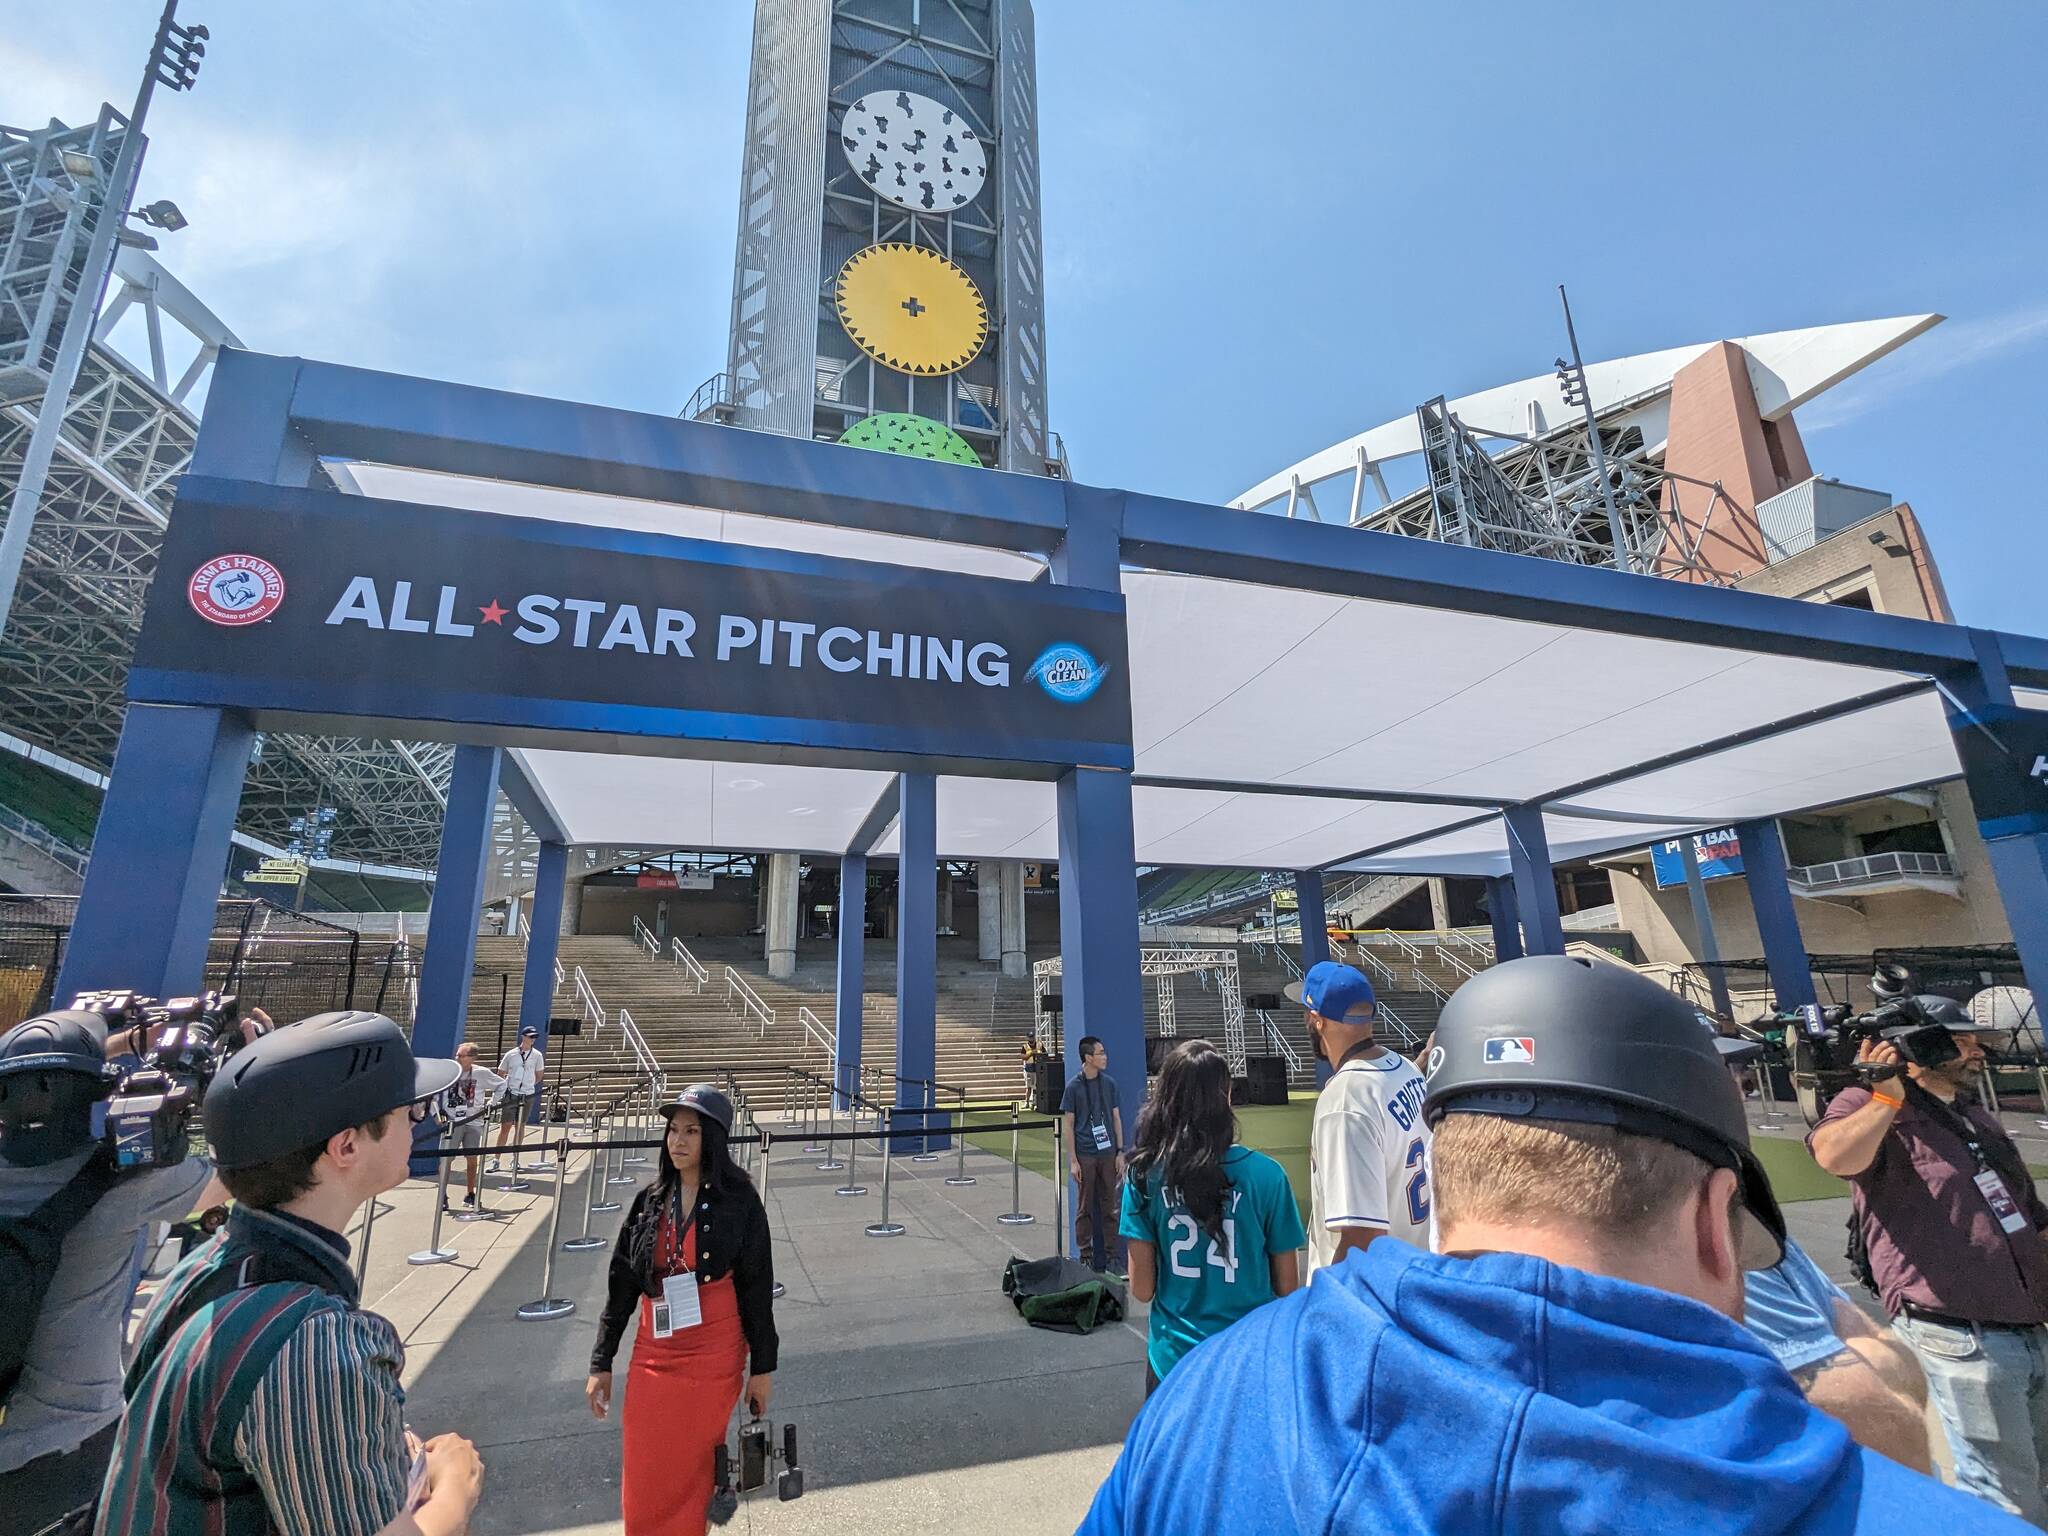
(1067,672)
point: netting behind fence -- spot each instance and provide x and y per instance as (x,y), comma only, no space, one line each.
(286,963)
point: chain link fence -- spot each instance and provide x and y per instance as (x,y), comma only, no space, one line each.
(286,963)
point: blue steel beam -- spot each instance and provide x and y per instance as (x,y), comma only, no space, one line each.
(1507,922)
(917,952)
(1777,923)
(852,975)
(531,801)
(146,914)
(467,430)
(543,939)
(1535,880)
(458,902)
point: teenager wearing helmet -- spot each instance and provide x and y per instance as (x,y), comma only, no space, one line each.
(693,1261)
(261,1396)
(1570,1360)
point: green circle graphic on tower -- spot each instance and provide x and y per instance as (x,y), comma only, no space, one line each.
(919,437)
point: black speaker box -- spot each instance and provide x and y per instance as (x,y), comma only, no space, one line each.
(1265,1080)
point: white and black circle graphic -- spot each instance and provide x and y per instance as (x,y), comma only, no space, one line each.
(914,152)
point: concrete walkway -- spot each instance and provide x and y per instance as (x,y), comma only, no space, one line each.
(923,1402)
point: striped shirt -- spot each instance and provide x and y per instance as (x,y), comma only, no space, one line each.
(271,1406)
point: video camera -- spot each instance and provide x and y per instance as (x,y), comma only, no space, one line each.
(757,1452)
(149,1113)
(1916,1025)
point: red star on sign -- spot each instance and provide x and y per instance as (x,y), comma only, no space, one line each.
(492,613)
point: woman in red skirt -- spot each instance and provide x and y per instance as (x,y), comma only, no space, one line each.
(693,1261)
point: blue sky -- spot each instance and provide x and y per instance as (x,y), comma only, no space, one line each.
(1266,227)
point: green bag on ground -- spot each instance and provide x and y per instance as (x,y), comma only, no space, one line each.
(1062,1294)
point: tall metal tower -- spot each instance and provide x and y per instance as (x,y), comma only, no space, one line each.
(889,250)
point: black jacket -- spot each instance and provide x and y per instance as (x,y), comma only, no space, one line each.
(732,1239)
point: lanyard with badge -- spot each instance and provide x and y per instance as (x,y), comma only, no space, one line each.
(2010,1217)
(1098,1113)
(680,1306)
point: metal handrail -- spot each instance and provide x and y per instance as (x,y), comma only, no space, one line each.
(744,1000)
(1813,877)
(1387,936)
(587,995)
(1426,983)
(637,1041)
(1279,1041)
(679,952)
(644,937)
(814,1029)
(44,841)
(1384,1014)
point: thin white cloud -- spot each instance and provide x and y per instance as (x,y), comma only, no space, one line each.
(1947,349)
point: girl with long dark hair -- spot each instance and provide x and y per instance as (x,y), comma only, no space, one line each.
(1224,1215)
(693,1259)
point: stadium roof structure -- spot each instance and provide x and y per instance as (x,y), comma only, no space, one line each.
(1304,696)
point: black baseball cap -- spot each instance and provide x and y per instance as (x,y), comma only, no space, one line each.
(706,1101)
(298,1086)
(1560,1038)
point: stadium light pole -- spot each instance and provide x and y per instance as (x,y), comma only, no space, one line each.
(1572,379)
(174,62)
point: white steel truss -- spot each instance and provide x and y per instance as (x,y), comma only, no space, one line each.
(1164,961)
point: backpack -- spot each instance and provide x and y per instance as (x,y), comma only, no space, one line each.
(1064,1295)
(31,1247)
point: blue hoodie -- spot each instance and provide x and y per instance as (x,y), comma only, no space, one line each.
(1406,1392)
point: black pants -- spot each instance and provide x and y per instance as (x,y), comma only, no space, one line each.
(34,1495)
(1098,1210)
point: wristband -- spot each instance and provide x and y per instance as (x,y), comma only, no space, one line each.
(1898,1103)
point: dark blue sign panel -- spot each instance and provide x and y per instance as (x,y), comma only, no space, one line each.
(2004,753)
(1719,853)
(298,605)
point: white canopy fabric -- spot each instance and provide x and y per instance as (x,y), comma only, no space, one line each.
(1252,698)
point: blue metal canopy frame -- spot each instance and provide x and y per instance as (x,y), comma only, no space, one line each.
(271,420)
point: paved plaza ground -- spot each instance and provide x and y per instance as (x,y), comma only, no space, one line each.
(923,1402)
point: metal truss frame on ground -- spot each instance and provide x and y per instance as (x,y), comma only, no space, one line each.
(128,434)
(1163,962)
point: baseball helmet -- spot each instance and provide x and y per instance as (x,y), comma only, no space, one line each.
(706,1101)
(298,1086)
(1556,1038)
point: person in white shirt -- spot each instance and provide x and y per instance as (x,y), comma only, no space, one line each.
(466,1107)
(1368,1146)
(523,1068)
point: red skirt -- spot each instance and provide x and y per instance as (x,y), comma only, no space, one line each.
(680,1393)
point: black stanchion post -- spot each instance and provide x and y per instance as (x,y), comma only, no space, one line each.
(434,1253)
(546,1306)
(363,1253)
(600,1161)
(885,1227)
(961,1177)
(831,1164)
(1014,1216)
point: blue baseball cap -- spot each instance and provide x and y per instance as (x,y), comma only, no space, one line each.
(1332,989)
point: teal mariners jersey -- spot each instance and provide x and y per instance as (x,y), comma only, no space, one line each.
(1205,1286)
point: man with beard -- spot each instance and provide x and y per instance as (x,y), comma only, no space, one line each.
(1953,1227)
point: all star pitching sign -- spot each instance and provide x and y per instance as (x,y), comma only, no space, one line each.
(318,607)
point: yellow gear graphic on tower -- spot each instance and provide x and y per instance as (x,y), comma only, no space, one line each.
(910,309)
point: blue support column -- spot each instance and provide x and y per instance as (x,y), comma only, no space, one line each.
(1507,922)
(1315,922)
(1535,881)
(452,918)
(917,947)
(1703,921)
(543,940)
(458,902)
(1102,992)
(1770,895)
(146,914)
(2005,770)
(853,923)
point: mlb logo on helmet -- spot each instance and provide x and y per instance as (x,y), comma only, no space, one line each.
(1067,672)
(1511,1050)
(235,590)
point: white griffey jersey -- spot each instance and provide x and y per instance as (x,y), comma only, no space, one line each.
(1368,1155)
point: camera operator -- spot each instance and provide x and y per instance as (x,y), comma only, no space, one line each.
(261,1398)
(1952,1226)
(72,1223)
